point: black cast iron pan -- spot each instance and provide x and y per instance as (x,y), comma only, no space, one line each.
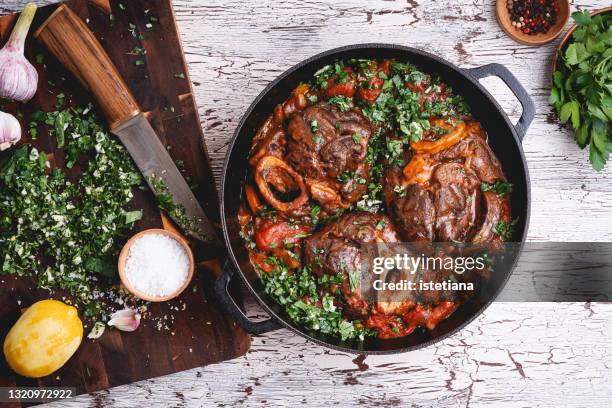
(504,138)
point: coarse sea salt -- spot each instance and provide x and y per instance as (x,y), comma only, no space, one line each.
(157,265)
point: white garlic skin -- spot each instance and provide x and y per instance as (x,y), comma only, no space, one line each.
(10,130)
(18,78)
(126,320)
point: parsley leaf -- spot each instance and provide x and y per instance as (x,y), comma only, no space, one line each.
(501,188)
(505,230)
(343,103)
(582,86)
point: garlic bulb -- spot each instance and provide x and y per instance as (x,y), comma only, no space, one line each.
(10,130)
(18,78)
(125,320)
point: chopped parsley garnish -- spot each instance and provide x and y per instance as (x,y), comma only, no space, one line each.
(505,230)
(395,148)
(139,51)
(314,214)
(440,130)
(346,176)
(297,293)
(371,202)
(322,76)
(408,99)
(400,190)
(165,202)
(354,278)
(501,188)
(314,126)
(342,102)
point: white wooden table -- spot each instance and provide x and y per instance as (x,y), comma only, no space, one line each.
(514,354)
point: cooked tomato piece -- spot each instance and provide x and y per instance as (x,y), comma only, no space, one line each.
(385,67)
(415,317)
(439,313)
(258,259)
(341,85)
(393,326)
(271,235)
(420,87)
(372,89)
(288,257)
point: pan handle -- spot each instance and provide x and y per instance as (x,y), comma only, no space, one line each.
(517,89)
(230,306)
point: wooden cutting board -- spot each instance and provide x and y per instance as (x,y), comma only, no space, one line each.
(201,334)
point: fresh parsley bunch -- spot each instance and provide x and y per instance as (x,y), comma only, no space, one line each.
(582,85)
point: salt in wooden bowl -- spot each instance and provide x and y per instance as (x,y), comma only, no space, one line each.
(126,250)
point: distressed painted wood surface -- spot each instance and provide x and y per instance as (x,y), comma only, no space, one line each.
(514,354)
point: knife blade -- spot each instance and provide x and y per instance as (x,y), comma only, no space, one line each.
(160,172)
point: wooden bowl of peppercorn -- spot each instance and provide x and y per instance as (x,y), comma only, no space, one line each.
(532,22)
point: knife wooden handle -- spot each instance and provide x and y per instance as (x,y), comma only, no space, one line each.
(74,45)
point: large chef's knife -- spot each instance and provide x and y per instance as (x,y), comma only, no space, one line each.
(75,46)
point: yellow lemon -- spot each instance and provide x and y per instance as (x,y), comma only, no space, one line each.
(43,339)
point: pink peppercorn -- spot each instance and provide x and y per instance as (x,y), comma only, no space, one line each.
(533,16)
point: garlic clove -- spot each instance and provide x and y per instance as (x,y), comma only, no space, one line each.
(10,130)
(18,78)
(125,320)
(97,331)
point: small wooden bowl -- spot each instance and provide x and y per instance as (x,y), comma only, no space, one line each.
(568,35)
(503,17)
(126,250)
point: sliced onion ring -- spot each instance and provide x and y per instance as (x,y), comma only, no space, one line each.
(263,167)
(419,169)
(252,199)
(455,136)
